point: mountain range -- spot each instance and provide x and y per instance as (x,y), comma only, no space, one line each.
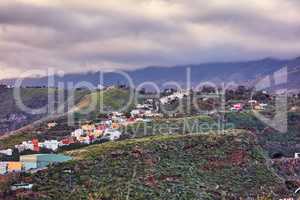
(243,72)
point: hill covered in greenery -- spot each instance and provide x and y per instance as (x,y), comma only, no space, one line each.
(199,166)
(112,99)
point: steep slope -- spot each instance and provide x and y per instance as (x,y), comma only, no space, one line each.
(210,166)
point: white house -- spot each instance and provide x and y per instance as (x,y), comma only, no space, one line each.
(252,101)
(263,105)
(112,134)
(144,106)
(24,186)
(149,113)
(50,144)
(26,145)
(20,147)
(176,95)
(7,152)
(136,112)
(77,133)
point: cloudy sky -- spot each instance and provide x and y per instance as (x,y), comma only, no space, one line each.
(76,35)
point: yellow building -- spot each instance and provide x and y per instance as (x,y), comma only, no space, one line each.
(88,127)
(14,166)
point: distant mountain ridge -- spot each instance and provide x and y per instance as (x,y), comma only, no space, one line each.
(247,73)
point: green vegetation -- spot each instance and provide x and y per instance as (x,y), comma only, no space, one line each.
(108,100)
(244,120)
(196,124)
(199,166)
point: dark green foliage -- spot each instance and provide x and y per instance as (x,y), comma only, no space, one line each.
(163,167)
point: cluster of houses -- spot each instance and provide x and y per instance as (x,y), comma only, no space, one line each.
(88,133)
(176,95)
(255,105)
(145,110)
(35,145)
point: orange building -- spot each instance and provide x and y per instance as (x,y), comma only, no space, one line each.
(115,126)
(14,166)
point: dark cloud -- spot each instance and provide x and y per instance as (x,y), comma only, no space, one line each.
(129,34)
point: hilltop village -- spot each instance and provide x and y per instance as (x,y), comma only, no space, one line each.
(38,153)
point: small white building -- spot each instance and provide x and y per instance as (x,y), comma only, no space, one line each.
(144,106)
(107,122)
(176,95)
(7,152)
(50,144)
(263,105)
(77,133)
(26,145)
(135,112)
(112,134)
(148,113)
(252,101)
(23,186)
(20,147)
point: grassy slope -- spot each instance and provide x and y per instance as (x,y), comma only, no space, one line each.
(195,124)
(163,167)
(108,100)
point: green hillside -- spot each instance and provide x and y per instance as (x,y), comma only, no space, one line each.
(108,100)
(113,99)
(204,166)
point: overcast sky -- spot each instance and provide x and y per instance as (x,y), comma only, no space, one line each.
(76,35)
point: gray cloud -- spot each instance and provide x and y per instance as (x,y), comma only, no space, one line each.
(130,34)
(251,22)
